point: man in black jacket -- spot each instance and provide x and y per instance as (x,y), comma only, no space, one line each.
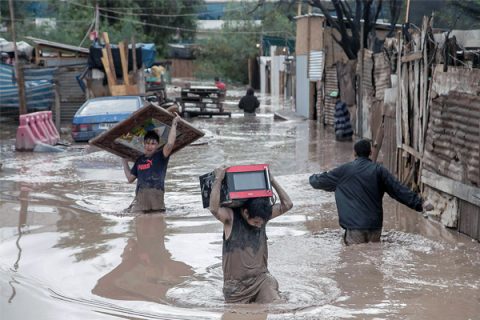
(249,103)
(359,187)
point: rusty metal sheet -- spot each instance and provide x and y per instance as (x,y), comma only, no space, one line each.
(456,79)
(381,74)
(452,149)
(331,85)
(346,81)
(125,139)
(469,222)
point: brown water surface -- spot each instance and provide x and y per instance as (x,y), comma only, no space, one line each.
(68,252)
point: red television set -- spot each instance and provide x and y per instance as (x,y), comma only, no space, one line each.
(240,184)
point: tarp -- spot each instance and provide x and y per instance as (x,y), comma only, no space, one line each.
(144,53)
(24,49)
(39,88)
(148,53)
(180,51)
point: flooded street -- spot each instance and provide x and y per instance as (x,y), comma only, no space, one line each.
(68,252)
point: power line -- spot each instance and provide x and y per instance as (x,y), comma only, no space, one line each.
(159,14)
(115,10)
(191,30)
(156,25)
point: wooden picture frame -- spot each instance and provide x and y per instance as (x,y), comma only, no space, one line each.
(125,139)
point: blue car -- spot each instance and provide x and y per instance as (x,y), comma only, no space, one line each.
(97,115)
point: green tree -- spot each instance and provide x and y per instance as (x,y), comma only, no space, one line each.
(227,52)
(167,21)
(157,21)
(457,14)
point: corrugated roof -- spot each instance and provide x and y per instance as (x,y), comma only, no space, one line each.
(58,45)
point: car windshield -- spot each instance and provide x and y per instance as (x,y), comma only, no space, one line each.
(97,107)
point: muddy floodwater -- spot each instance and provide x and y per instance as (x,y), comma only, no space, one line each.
(68,252)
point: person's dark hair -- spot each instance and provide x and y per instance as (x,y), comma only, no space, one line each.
(151,135)
(363,148)
(217,79)
(250,92)
(259,207)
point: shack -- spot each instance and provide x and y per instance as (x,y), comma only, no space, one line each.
(416,99)
(70,62)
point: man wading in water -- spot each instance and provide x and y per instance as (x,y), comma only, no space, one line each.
(246,278)
(359,188)
(150,170)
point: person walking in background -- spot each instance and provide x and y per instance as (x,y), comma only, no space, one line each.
(220,85)
(246,278)
(359,187)
(249,103)
(150,169)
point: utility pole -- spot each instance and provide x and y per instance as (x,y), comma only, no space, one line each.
(407,12)
(97,18)
(18,67)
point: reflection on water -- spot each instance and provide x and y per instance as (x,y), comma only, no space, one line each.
(22,222)
(67,251)
(147,271)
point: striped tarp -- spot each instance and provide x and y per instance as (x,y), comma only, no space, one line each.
(39,88)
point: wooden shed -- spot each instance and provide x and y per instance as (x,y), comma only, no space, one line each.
(70,61)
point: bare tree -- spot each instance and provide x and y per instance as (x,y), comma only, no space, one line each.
(348,21)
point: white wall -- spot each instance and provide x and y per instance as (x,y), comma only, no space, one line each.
(302,87)
(263,74)
(277,66)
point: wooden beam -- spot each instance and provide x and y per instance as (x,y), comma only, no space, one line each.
(398,106)
(412,151)
(110,58)
(416,55)
(22,108)
(124,61)
(106,66)
(134,57)
(456,188)
(416,106)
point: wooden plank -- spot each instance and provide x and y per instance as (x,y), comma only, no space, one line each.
(460,190)
(412,56)
(124,90)
(124,61)
(134,58)
(398,108)
(411,106)
(106,66)
(110,58)
(412,151)
(404,105)
(423,83)
(416,107)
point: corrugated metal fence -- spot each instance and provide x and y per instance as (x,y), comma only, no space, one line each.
(39,88)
